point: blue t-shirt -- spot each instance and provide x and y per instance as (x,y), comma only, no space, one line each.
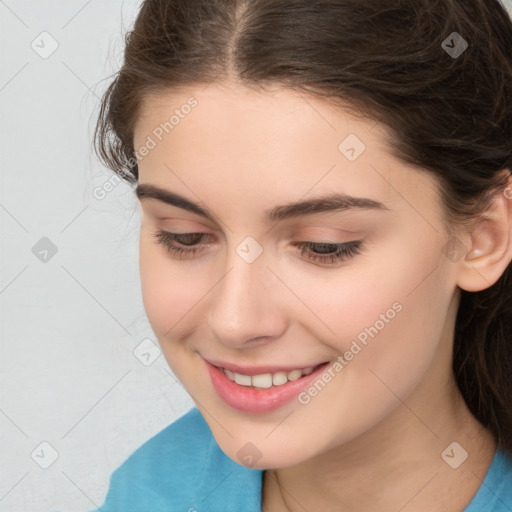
(183,469)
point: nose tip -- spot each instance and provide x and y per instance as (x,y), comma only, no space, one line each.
(245,306)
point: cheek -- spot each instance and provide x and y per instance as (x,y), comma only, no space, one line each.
(386,315)
(169,293)
(389,323)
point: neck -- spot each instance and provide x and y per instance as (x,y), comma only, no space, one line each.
(397,463)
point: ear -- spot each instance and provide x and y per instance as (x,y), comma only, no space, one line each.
(489,244)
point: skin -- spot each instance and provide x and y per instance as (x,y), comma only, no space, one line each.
(380,426)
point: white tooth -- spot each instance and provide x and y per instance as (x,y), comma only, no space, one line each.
(279,378)
(307,371)
(262,381)
(243,380)
(295,374)
(230,374)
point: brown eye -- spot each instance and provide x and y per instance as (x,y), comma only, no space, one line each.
(186,240)
(329,253)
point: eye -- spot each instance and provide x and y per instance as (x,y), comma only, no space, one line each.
(325,253)
(329,253)
(187,241)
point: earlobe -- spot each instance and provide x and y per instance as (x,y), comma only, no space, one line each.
(490,245)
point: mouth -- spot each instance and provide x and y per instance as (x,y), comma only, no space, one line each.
(258,391)
(268,379)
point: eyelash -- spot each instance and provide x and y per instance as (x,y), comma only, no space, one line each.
(344,251)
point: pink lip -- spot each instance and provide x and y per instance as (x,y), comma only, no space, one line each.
(257,370)
(259,401)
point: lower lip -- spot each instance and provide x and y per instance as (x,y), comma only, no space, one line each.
(259,400)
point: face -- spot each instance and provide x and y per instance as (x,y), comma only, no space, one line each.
(244,282)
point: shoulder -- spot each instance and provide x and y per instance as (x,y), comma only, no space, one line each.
(500,481)
(185,441)
(180,468)
(167,466)
(495,493)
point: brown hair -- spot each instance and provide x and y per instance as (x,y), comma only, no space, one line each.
(394,62)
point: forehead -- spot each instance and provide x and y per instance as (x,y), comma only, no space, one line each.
(247,124)
(238,109)
(278,141)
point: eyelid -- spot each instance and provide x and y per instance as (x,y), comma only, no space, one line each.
(342,251)
(159,213)
(331,234)
(176,224)
(309,239)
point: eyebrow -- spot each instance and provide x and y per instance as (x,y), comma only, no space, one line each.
(331,203)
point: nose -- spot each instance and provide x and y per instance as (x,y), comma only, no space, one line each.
(247,305)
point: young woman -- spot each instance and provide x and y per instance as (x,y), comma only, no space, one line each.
(325,252)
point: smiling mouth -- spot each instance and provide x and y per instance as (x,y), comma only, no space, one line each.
(257,393)
(268,380)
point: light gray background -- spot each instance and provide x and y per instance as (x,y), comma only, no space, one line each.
(69,322)
(68,326)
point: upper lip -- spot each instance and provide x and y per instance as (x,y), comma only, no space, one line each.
(258,370)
